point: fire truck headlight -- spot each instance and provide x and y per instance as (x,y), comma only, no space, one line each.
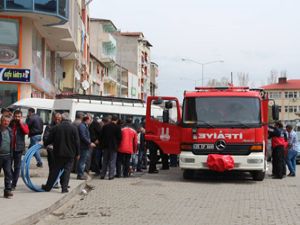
(187,160)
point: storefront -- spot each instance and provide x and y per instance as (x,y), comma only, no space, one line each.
(31,75)
(10,57)
(10,85)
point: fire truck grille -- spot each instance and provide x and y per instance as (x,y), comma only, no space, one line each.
(229,150)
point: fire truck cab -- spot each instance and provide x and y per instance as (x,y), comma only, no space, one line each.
(213,120)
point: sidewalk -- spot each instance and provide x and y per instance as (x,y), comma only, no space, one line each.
(26,206)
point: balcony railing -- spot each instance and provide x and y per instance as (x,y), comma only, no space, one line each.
(58,8)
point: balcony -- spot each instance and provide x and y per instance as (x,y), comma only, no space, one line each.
(109,48)
(51,18)
(57,9)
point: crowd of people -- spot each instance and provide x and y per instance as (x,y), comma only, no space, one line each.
(284,152)
(107,146)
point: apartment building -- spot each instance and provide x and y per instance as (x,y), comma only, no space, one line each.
(153,76)
(133,53)
(104,48)
(286,94)
(42,45)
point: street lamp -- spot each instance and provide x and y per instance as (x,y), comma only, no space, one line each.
(202,64)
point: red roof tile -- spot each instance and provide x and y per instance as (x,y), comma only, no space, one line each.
(289,85)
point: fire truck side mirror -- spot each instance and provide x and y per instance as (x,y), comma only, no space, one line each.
(275,112)
(166,116)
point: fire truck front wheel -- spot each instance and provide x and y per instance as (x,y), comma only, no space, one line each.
(188,174)
(258,175)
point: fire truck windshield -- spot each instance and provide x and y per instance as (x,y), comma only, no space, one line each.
(222,111)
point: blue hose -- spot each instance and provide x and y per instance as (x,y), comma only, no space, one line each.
(25,166)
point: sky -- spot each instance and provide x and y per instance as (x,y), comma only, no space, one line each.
(249,36)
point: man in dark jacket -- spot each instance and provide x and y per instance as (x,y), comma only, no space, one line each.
(65,140)
(56,119)
(85,145)
(278,144)
(35,125)
(110,140)
(96,156)
(19,130)
(5,155)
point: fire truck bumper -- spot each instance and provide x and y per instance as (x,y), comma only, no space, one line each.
(253,161)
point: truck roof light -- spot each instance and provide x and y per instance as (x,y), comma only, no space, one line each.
(222,88)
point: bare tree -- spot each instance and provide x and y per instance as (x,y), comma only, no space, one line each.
(273,77)
(283,73)
(243,79)
(224,81)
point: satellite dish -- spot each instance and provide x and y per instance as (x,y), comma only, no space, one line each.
(85,85)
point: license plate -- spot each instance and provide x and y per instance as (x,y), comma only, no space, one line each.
(203,146)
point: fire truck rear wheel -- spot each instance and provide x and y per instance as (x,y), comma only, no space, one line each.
(258,175)
(188,174)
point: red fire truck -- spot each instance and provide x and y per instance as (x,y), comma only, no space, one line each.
(213,120)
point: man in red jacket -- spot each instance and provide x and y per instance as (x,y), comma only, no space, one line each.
(127,147)
(19,130)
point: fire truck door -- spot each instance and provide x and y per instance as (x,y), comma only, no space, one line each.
(162,123)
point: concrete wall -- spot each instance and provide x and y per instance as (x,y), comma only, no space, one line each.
(26,55)
(127,52)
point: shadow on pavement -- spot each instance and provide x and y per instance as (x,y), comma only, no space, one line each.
(175,174)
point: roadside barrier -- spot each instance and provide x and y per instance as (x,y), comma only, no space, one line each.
(25,169)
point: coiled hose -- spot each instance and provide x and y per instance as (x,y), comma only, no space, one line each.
(25,166)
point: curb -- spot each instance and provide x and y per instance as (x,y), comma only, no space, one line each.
(34,218)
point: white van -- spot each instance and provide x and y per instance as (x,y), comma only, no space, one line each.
(97,106)
(43,107)
(101,106)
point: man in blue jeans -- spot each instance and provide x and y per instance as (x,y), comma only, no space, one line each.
(6,155)
(85,145)
(292,153)
(35,125)
(19,130)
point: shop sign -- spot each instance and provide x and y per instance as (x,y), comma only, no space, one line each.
(15,75)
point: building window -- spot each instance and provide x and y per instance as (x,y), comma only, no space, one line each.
(62,8)
(290,109)
(279,107)
(1,4)
(290,94)
(9,41)
(19,4)
(275,95)
(295,94)
(49,6)
(295,108)
(48,65)
(37,53)
(286,108)
(8,94)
